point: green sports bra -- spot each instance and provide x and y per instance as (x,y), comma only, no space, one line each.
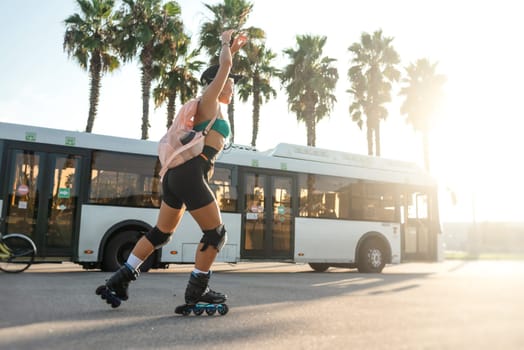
(221,126)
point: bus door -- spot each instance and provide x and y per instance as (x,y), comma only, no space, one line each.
(41,198)
(416,237)
(267,221)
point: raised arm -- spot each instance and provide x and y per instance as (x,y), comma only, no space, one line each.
(209,101)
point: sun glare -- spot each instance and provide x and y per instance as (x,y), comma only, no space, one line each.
(474,150)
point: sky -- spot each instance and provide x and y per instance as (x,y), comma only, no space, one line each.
(475,148)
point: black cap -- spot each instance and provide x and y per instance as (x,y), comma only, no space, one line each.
(210,73)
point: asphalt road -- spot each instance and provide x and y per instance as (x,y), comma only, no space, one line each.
(449,305)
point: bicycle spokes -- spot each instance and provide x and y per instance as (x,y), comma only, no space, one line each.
(19,253)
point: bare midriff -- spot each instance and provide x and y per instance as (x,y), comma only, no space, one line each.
(215,139)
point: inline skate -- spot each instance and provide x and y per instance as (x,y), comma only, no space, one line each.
(115,289)
(200,298)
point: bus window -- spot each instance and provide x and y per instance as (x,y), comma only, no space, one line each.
(63,200)
(372,201)
(323,196)
(418,208)
(124,179)
(346,198)
(23,192)
(225,191)
(417,234)
(254,199)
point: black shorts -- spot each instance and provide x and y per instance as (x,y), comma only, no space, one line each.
(188,184)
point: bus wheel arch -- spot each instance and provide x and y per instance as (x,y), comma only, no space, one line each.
(372,253)
(119,242)
(319,267)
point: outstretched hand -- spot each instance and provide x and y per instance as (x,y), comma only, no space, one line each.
(239,41)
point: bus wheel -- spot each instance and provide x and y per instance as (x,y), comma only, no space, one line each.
(371,257)
(119,248)
(319,267)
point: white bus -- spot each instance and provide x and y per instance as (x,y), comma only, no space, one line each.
(88,198)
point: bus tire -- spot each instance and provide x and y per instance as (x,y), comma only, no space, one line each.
(371,256)
(118,248)
(319,267)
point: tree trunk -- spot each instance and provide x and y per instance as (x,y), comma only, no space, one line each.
(171,98)
(147,77)
(95,67)
(309,112)
(310,130)
(231,117)
(256,118)
(369,131)
(377,140)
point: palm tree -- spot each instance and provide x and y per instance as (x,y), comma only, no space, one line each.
(423,95)
(151,29)
(259,58)
(229,14)
(176,79)
(88,38)
(371,77)
(310,81)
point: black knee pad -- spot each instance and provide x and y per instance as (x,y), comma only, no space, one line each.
(216,237)
(158,238)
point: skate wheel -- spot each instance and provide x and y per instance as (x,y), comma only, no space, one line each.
(115,304)
(210,310)
(99,290)
(181,310)
(223,309)
(198,311)
(184,309)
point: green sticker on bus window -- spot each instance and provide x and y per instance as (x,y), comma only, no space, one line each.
(70,141)
(64,192)
(30,136)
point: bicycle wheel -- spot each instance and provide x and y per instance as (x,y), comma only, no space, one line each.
(22,253)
